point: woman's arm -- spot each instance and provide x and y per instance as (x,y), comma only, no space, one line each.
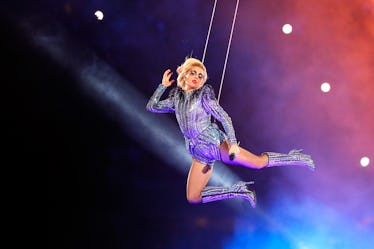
(211,105)
(164,106)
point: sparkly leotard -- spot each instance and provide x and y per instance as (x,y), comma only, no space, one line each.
(193,111)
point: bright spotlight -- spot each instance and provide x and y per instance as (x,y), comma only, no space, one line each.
(287,28)
(99,15)
(325,87)
(365,161)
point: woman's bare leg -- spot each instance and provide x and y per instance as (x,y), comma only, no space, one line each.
(198,178)
(267,159)
(244,158)
(198,192)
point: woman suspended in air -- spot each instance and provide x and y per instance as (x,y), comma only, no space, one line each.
(194,103)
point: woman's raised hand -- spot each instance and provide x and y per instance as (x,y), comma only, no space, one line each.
(166,81)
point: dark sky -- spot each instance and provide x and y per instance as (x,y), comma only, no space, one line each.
(108,184)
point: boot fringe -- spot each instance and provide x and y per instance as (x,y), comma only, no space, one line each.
(238,190)
(293,158)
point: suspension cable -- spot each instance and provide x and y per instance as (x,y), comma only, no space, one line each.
(210,28)
(228,49)
(229,43)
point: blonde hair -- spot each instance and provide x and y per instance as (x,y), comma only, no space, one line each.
(186,67)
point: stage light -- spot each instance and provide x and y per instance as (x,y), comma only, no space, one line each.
(99,15)
(325,87)
(118,97)
(287,28)
(365,161)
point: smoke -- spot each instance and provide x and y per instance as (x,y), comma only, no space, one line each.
(280,84)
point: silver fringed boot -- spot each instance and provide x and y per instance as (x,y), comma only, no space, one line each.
(293,158)
(238,190)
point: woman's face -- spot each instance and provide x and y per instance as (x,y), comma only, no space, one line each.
(194,78)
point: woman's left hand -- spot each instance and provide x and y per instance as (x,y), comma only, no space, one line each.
(234,149)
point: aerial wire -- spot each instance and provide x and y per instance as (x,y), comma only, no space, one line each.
(228,45)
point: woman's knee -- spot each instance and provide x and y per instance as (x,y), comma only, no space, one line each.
(193,198)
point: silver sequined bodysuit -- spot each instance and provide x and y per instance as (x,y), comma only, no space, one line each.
(193,111)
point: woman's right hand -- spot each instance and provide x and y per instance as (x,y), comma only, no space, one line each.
(166,81)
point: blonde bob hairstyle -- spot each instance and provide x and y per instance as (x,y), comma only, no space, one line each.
(184,69)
